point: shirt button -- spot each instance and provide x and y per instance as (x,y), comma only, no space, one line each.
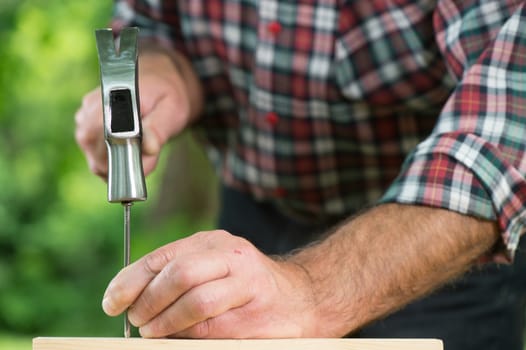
(272,118)
(280,192)
(274,27)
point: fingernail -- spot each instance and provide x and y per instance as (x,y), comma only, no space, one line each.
(107,305)
(150,143)
(145,331)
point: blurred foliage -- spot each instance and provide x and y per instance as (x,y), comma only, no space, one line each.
(14,343)
(60,241)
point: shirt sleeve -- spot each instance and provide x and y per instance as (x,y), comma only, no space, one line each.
(474,160)
(157,21)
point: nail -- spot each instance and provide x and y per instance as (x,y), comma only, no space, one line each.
(107,305)
(145,331)
(150,142)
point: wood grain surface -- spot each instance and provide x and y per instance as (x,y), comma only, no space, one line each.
(234,344)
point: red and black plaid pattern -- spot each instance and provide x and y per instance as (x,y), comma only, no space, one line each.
(314,105)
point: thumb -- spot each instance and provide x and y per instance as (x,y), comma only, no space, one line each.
(161,121)
(151,141)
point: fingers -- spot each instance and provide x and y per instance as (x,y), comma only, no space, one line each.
(130,281)
(151,142)
(211,284)
(174,280)
(194,308)
(165,111)
(151,146)
(89,134)
(231,324)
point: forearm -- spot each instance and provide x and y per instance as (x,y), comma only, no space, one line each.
(154,55)
(387,257)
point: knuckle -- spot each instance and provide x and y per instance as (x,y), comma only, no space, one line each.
(155,329)
(180,276)
(202,307)
(221,234)
(221,239)
(134,316)
(202,235)
(79,116)
(142,311)
(167,326)
(157,260)
(204,238)
(164,325)
(147,304)
(82,137)
(241,244)
(96,168)
(86,100)
(215,238)
(200,330)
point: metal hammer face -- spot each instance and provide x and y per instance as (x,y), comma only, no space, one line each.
(122,123)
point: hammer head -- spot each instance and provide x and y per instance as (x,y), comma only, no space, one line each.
(122,123)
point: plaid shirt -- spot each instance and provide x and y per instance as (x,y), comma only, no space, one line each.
(315,105)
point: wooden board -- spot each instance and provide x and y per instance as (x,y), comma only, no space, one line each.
(234,344)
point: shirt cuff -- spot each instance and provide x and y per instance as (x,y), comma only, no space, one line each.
(466,174)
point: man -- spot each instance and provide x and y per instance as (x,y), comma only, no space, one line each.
(308,110)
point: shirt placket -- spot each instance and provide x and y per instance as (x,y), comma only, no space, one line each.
(269,30)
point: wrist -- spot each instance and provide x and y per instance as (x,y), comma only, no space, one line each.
(305,290)
(334,269)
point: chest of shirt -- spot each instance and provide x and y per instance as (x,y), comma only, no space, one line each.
(376,52)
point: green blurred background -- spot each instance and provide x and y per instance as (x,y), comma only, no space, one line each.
(60,240)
